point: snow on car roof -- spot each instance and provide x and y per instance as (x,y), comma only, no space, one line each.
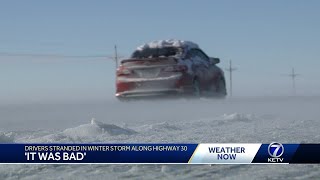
(168,43)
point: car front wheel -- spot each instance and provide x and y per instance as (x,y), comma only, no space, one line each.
(196,88)
(218,89)
(221,89)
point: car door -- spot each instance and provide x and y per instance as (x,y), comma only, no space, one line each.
(201,62)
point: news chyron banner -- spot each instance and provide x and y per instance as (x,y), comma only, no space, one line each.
(159,153)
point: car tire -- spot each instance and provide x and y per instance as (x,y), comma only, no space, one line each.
(221,89)
(196,88)
(218,90)
(123,99)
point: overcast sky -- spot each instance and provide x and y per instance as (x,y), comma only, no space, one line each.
(264,39)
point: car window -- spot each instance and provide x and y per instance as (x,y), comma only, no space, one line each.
(190,54)
(196,53)
(157,52)
(203,56)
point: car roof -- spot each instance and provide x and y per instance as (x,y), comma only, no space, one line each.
(169,43)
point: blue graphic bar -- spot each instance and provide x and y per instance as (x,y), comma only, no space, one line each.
(96,153)
(226,153)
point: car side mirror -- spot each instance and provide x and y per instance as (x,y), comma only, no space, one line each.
(214,60)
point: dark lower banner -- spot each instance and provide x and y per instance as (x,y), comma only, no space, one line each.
(96,153)
(288,153)
(159,153)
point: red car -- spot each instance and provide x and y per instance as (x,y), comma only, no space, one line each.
(169,67)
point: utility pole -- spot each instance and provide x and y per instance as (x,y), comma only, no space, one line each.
(116,55)
(230,69)
(293,76)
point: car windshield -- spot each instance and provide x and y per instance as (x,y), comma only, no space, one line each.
(156,52)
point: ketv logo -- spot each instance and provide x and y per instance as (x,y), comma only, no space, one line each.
(275,150)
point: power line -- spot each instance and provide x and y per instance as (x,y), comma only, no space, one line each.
(50,55)
(230,70)
(115,57)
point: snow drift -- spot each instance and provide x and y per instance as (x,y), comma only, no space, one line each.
(96,128)
(6,137)
(246,120)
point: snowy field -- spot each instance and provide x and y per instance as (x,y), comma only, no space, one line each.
(237,120)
